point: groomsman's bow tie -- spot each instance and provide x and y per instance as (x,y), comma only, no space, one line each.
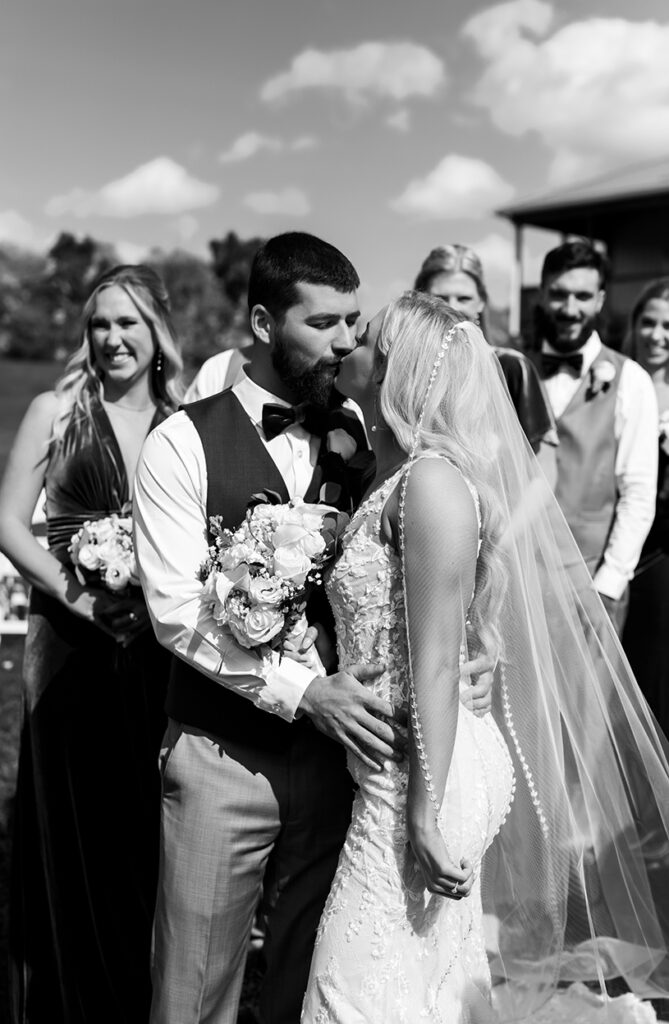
(550,364)
(276,418)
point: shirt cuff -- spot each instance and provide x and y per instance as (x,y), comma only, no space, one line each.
(285,682)
(610,583)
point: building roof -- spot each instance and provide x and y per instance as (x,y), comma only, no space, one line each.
(639,182)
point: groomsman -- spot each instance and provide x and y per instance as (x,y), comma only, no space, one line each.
(605,468)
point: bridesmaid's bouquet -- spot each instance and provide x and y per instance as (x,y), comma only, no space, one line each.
(257,578)
(103,548)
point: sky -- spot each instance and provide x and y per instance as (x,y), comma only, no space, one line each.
(385,127)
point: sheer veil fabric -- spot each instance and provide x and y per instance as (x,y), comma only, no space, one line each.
(576,885)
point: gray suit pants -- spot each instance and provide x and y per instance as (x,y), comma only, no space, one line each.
(240,824)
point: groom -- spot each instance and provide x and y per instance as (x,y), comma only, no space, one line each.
(256,796)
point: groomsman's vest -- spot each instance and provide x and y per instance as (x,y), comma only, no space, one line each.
(586,456)
(238,466)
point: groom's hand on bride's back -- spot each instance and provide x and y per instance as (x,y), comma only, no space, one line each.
(341,707)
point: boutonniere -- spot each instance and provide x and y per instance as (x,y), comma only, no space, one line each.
(664,432)
(601,375)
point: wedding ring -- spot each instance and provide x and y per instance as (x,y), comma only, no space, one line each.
(455,887)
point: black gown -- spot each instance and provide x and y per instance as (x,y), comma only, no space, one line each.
(646,633)
(528,397)
(85,858)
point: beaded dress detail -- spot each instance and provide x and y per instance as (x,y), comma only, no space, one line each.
(387,951)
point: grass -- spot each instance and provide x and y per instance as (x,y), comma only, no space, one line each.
(20,381)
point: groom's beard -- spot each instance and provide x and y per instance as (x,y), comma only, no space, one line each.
(309,382)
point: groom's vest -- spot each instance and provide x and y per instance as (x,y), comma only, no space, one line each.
(586,458)
(238,466)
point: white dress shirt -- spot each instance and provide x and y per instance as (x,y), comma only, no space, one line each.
(635,430)
(170,517)
(211,376)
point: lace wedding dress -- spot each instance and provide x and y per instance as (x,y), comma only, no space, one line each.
(387,951)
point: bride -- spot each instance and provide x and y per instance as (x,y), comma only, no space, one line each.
(460,549)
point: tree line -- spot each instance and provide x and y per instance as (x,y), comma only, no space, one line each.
(42,295)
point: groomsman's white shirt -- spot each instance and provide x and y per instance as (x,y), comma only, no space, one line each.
(636,432)
(171,544)
(210,378)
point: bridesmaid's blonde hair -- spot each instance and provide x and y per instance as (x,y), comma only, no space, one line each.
(81,381)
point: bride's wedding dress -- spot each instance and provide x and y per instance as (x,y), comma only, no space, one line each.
(387,950)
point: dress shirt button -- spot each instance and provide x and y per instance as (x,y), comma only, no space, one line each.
(300,454)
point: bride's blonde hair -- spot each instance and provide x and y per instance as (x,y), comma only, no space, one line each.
(447,416)
(81,382)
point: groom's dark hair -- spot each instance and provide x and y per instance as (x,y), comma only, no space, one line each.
(295,258)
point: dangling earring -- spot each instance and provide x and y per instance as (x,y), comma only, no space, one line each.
(374,427)
(159,360)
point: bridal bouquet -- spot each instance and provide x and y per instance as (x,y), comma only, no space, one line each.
(104,547)
(257,577)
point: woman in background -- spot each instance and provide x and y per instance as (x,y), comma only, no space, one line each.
(454,273)
(87,810)
(646,634)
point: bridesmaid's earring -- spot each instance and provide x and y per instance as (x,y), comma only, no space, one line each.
(159,361)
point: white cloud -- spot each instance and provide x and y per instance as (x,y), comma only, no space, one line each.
(400,120)
(596,90)
(396,71)
(303,142)
(160,186)
(459,186)
(130,252)
(289,201)
(496,255)
(247,145)
(18,230)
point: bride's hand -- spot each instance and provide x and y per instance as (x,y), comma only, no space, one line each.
(440,875)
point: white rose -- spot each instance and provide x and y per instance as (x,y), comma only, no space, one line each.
(258,626)
(237,554)
(103,529)
(86,555)
(109,552)
(309,542)
(266,591)
(292,564)
(117,576)
(312,516)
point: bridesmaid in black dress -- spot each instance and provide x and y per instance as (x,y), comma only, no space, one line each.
(646,634)
(85,856)
(454,273)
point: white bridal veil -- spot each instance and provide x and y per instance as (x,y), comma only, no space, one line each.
(576,884)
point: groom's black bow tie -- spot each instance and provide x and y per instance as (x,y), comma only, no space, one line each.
(550,364)
(276,418)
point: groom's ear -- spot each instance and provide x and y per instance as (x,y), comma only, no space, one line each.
(262,324)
